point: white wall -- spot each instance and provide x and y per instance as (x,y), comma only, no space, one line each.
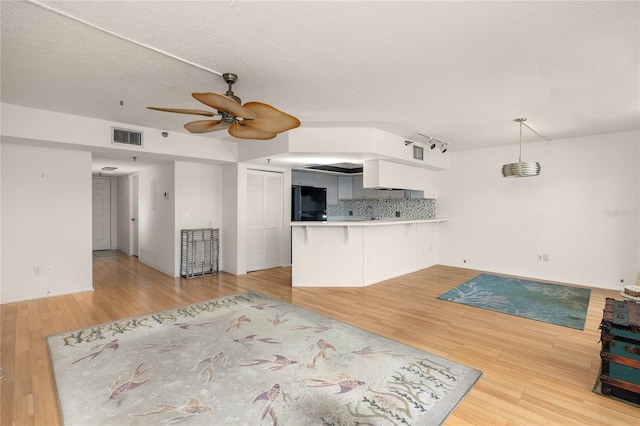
(46,222)
(157,217)
(53,129)
(198,200)
(229,230)
(123,216)
(568,212)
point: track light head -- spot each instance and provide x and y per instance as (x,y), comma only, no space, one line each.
(407,143)
(433,142)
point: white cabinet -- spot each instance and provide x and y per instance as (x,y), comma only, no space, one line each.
(387,174)
(360,193)
(317,180)
(322,180)
(301,178)
(345,187)
(358,254)
(358,190)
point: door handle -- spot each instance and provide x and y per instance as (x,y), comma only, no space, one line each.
(133,219)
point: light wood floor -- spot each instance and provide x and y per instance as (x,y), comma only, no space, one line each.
(533,373)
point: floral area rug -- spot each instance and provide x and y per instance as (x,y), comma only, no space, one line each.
(248,359)
(552,303)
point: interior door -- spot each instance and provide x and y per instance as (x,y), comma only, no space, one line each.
(101,213)
(264,219)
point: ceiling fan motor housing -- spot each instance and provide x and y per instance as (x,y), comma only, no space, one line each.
(231,78)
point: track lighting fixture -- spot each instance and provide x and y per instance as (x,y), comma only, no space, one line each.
(435,142)
(407,143)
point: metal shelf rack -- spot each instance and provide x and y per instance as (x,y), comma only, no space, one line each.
(200,252)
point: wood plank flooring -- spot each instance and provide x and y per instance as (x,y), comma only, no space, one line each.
(533,373)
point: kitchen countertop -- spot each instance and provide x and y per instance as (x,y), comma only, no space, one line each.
(368,222)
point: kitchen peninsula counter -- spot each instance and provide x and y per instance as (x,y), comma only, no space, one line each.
(357,253)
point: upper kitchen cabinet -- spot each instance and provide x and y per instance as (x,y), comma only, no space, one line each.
(379,174)
(345,187)
(301,178)
(318,180)
(322,180)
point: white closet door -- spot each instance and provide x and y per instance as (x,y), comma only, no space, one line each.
(264,220)
(101,213)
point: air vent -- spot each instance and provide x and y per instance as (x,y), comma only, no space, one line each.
(418,153)
(126,137)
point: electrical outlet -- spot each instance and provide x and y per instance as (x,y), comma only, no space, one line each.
(37,270)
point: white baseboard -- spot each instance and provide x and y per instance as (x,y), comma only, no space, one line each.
(44,296)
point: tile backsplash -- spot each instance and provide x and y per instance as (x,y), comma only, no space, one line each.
(409,208)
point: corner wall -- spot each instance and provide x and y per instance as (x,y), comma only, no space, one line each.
(157,217)
(198,201)
(123,215)
(46,222)
(581,211)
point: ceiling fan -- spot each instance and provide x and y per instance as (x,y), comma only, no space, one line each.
(253,120)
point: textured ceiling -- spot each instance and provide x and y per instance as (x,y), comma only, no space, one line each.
(459,71)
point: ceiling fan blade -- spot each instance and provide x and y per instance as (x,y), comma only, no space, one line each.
(186,111)
(270,119)
(243,131)
(204,126)
(224,103)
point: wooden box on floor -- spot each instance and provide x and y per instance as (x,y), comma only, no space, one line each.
(620,375)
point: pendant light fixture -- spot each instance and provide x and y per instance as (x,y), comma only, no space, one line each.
(522,168)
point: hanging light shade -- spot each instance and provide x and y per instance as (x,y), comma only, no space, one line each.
(522,168)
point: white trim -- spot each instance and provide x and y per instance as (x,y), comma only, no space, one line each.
(46,295)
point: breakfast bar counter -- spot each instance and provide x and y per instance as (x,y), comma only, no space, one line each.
(357,253)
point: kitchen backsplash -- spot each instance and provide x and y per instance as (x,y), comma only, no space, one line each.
(409,208)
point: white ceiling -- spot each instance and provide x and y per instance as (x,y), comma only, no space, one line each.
(458,71)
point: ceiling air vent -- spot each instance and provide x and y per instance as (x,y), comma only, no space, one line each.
(126,137)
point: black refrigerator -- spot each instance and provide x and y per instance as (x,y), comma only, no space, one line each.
(308,203)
